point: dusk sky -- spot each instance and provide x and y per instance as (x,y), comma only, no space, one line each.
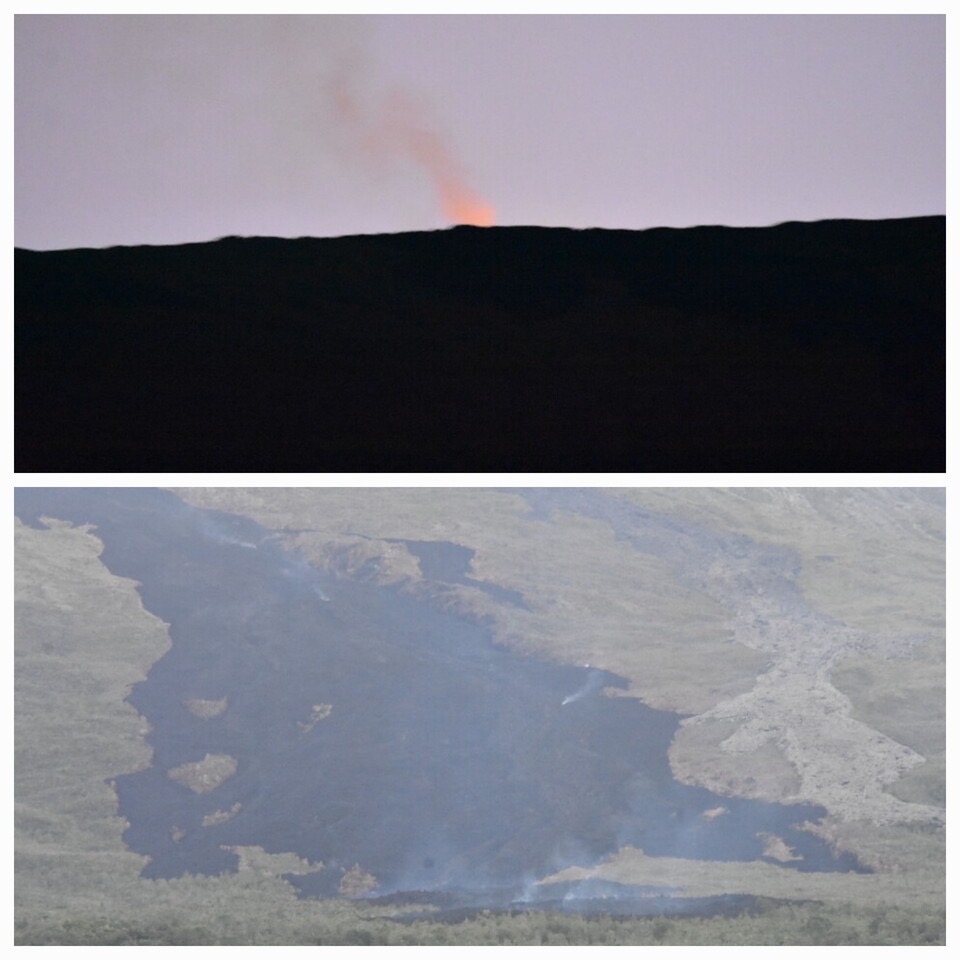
(169,129)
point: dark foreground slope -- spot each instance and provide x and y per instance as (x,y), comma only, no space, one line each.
(805,346)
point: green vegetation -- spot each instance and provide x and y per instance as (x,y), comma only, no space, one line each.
(905,700)
(772,924)
(872,558)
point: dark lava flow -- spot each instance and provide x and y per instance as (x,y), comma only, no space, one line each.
(450,563)
(445,763)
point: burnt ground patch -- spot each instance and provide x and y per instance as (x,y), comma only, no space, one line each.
(445,762)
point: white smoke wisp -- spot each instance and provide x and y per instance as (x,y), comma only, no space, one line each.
(592,684)
(297,569)
(216,532)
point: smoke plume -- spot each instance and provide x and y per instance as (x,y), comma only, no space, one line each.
(397,125)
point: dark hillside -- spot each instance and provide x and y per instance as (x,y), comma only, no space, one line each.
(800,347)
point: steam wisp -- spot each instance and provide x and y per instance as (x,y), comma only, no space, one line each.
(293,567)
(593,683)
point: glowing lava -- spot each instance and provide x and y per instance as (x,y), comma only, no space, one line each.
(461,205)
(398,124)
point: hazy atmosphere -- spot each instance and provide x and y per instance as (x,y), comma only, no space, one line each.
(480,716)
(169,129)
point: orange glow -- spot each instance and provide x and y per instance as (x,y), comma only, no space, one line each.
(461,206)
(411,132)
(404,128)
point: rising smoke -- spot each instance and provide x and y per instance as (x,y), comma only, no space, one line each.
(172,128)
(231,531)
(592,684)
(397,125)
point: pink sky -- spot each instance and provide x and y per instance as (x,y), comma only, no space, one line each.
(168,129)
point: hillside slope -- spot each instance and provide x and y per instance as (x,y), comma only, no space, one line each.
(285,726)
(804,346)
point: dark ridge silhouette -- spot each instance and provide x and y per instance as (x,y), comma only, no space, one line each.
(798,347)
